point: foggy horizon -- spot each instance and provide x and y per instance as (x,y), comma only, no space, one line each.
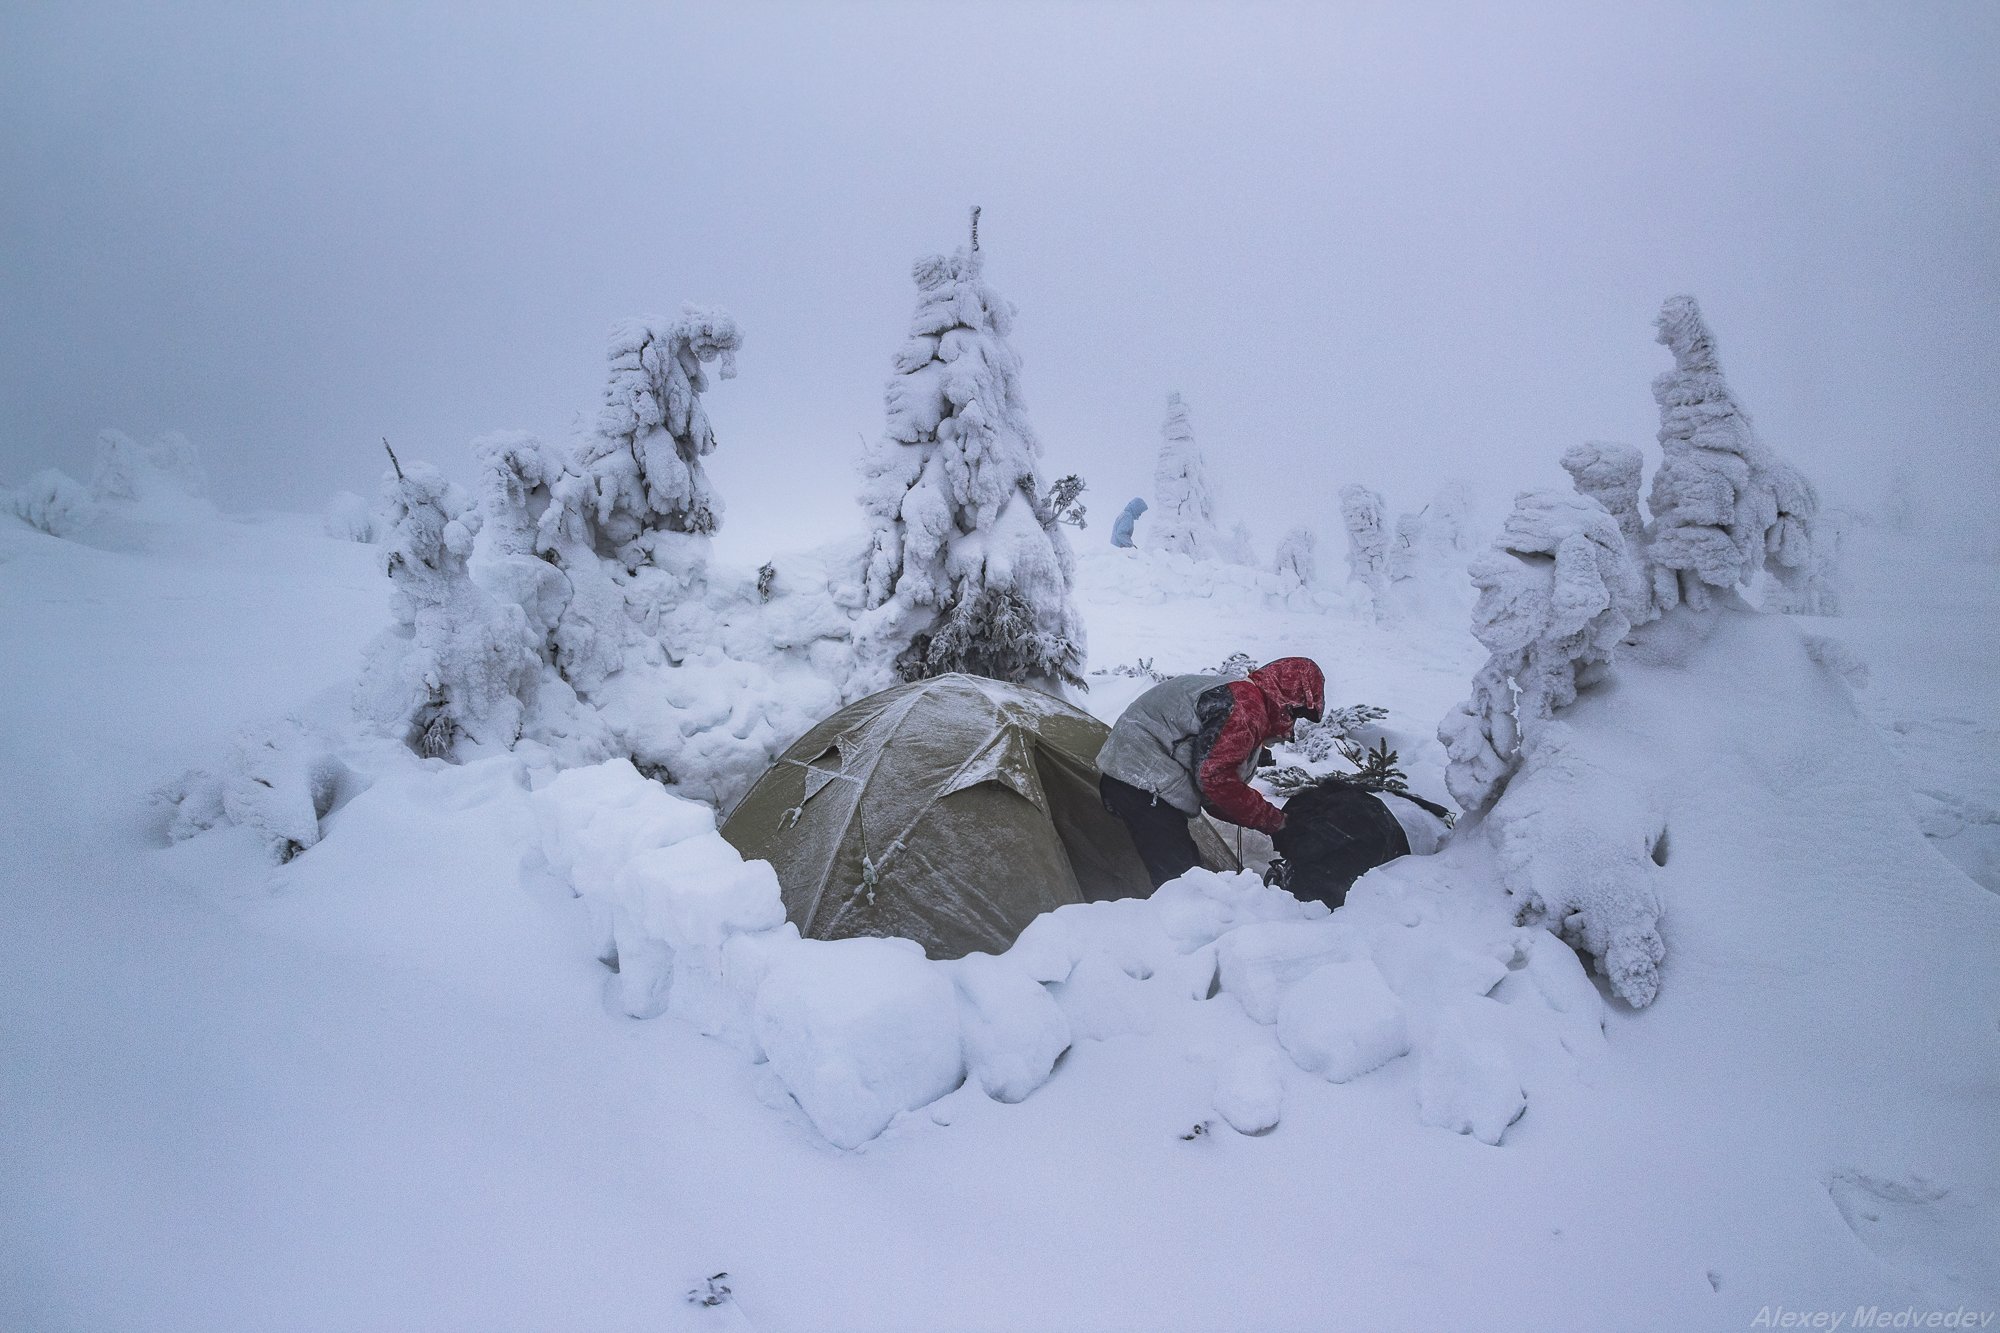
(1366,246)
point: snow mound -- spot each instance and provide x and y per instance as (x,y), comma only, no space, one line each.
(1342,1020)
(860,1030)
(53,502)
(1250,1090)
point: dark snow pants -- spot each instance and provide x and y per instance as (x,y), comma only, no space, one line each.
(1159,831)
(1332,836)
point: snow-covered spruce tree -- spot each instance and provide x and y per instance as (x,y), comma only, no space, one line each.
(1366,519)
(644,461)
(1184,511)
(1723,504)
(457,668)
(624,514)
(1298,556)
(1550,596)
(968,570)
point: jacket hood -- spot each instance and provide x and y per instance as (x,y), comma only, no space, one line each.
(1295,684)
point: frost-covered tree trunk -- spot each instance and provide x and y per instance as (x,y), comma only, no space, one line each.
(458,668)
(968,570)
(1184,513)
(1365,516)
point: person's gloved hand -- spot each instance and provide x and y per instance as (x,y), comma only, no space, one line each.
(1276,873)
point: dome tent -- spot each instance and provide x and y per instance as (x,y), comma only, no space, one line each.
(951,811)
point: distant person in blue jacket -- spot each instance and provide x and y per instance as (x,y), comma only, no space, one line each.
(1121,528)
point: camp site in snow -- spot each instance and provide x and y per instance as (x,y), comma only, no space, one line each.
(926,667)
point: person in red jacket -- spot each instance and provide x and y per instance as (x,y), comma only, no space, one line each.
(1191,744)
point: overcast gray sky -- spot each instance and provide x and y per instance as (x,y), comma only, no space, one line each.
(1368,241)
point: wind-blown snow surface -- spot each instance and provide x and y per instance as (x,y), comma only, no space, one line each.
(388,1084)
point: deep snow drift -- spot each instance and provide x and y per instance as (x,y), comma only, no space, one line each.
(390,1082)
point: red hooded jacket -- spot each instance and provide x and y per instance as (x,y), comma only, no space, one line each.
(1240,718)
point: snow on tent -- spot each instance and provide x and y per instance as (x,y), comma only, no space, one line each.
(951,811)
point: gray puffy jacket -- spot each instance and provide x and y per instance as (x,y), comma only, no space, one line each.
(1153,745)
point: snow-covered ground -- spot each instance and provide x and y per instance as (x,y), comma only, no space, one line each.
(388,1084)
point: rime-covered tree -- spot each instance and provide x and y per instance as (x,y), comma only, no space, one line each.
(458,668)
(968,569)
(643,462)
(1365,517)
(1183,519)
(1448,517)
(1405,547)
(1551,593)
(1610,474)
(1723,504)
(127,470)
(1298,556)
(621,516)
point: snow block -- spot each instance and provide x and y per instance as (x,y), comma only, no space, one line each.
(859,1030)
(1465,1082)
(1256,962)
(1342,1020)
(1250,1090)
(1102,999)
(1013,1029)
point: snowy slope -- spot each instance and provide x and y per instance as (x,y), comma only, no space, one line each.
(389,1085)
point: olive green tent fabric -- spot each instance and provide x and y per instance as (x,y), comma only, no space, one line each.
(950,811)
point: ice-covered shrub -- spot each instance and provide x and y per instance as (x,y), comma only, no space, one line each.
(349,518)
(968,570)
(1550,596)
(278,781)
(52,501)
(458,668)
(1184,510)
